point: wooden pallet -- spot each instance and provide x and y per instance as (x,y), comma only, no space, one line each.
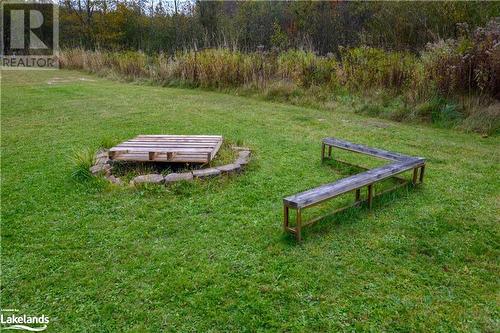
(168,148)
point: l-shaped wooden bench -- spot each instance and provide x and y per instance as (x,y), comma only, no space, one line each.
(400,163)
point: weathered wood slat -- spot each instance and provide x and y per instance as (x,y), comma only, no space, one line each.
(200,140)
(180,155)
(160,158)
(177,136)
(166,144)
(324,192)
(161,149)
(216,149)
(380,153)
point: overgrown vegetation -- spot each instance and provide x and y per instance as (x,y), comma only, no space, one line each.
(451,83)
(82,161)
(170,26)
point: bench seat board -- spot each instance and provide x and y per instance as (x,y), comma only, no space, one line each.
(327,191)
(380,153)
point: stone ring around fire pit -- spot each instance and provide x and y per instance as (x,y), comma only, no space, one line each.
(103,166)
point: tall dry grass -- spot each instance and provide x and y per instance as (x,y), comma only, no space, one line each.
(447,70)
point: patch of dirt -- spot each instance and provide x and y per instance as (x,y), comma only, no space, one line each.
(59,80)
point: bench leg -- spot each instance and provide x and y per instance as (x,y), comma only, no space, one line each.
(322,152)
(422,169)
(415,173)
(370,196)
(330,152)
(358,195)
(298,227)
(286,216)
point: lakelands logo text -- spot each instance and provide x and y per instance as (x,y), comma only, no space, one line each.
(22,322)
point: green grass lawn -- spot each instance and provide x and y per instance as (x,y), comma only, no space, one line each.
(211,256)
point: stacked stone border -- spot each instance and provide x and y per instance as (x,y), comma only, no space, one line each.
(104,167)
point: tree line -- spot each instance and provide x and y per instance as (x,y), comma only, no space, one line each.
(325,27)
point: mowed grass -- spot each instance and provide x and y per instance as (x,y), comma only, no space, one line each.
(211,256)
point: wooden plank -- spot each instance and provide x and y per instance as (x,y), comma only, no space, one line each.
(179,136)
(175,158)
(211,141)
(216,149)
(146,155)
(380,153)
(161,150)
(175,140)
(158,147)
(327,191)
(338,210)
(166,144)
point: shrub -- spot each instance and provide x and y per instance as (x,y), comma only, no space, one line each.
(294,65)
(162,69)
(91,61)
(486,55)
(217,68)
(367,67)
(72,58)
(447,67)
(130,64)
(82,161)
(467,65)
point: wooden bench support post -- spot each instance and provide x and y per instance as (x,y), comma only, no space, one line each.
(322,152)
(330,152)
(415,174)
(298,227)
(422,169)
(286,217)
(358,195)
(370,196)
